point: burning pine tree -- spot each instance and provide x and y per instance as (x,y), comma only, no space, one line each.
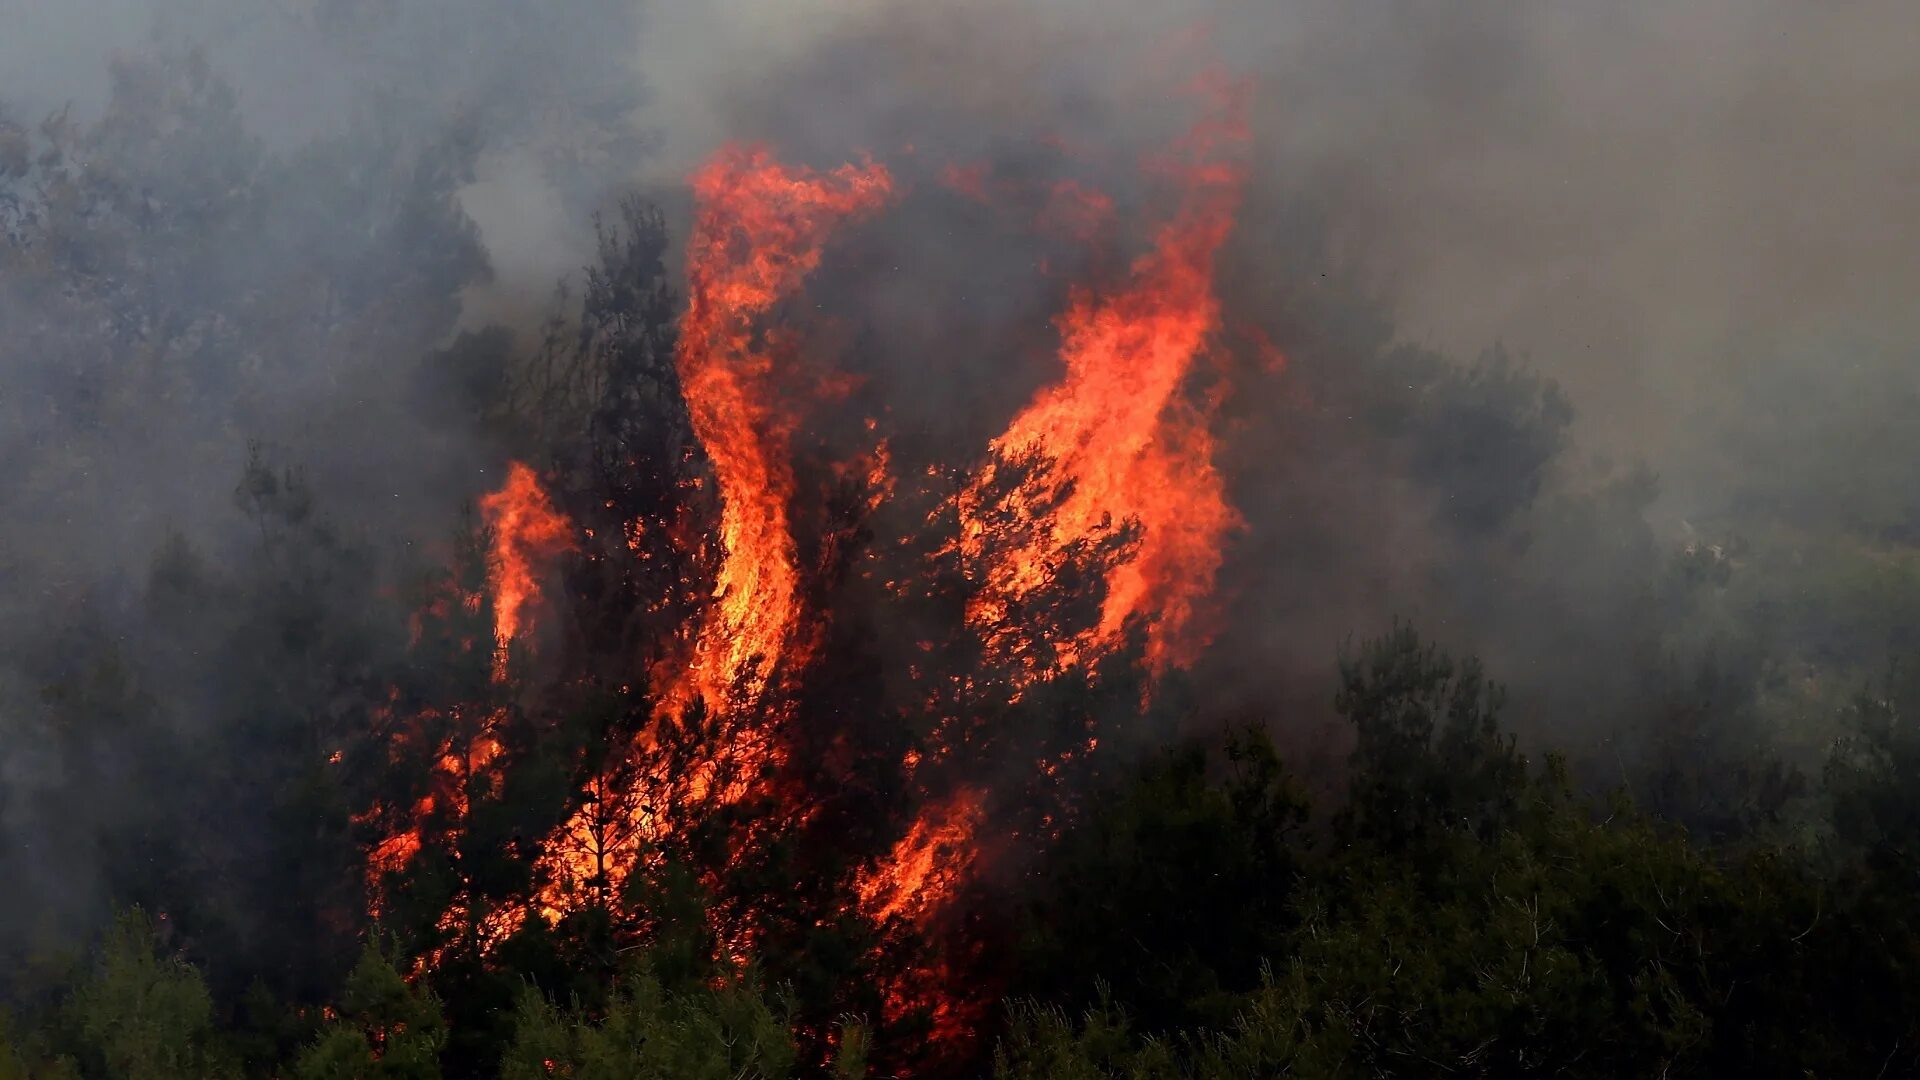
(685,707)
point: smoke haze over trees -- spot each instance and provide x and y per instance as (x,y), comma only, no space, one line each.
(495,571)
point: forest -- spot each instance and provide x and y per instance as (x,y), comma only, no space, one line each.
(975,603)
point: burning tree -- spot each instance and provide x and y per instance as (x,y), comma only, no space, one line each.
(692,620)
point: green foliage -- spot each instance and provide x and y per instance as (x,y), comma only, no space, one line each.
(1174,886)
(142,1014)
(1706,762)
(1474,917)
(648,1032)
(1429,758)
(1266,1039)
(1874,772)
(1479,919)
(386,1030)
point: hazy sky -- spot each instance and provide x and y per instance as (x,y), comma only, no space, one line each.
(1636,194)
(1642,196)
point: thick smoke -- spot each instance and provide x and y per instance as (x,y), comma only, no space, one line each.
(235,224)
(1643,204)
(1635,196)
(1643,200)
(1696,219)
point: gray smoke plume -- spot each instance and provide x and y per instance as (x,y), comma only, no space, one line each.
(1691,226)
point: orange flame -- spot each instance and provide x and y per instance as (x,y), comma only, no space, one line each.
(759,230)
(1117,443)
(757,234)
(1120,443)
(926,865)
(914,886)
(527,532)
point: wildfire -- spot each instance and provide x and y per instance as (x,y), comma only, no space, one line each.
(527,534)
(914,887)
(1114,458)
(757,234)
(925,866)
(1117,442)
(1116,449)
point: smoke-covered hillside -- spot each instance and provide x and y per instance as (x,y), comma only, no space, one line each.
(761,539)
